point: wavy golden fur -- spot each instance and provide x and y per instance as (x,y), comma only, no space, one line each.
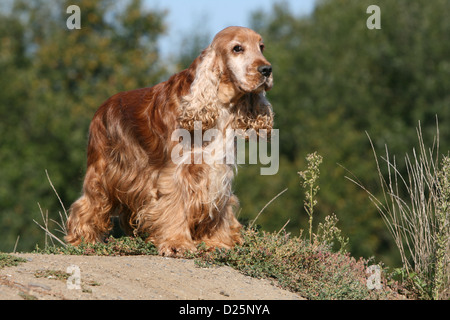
(130,173)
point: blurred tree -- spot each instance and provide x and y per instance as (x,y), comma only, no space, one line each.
(53,79)
(194,41)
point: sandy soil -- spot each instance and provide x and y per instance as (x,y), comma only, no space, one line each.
(130,277)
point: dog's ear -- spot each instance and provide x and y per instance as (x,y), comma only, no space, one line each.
(201,104)
(253,111)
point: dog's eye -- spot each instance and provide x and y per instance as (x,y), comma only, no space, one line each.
(238,48)
(261,47)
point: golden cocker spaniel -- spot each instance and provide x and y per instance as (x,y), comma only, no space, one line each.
(130,172)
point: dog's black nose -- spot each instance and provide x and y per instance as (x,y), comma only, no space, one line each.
(265,70)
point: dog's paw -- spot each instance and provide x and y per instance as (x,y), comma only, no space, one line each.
(175,248)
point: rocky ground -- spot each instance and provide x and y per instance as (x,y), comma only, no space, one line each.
(129,277)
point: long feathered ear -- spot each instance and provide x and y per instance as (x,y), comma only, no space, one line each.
(202,104)
(253,111)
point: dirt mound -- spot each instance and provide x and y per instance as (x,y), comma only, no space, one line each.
(129,277)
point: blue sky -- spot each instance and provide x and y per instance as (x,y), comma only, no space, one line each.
(213,15)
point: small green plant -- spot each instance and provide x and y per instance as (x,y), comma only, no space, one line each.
(27,296)
(327,232)
(63,276)
(310,177)
(52,274)
(7,260)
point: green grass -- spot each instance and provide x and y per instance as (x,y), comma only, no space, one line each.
(52,274)
(415,206)
(125,246)
(7,260)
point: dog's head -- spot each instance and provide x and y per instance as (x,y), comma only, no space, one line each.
(242,63)
(231,73)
